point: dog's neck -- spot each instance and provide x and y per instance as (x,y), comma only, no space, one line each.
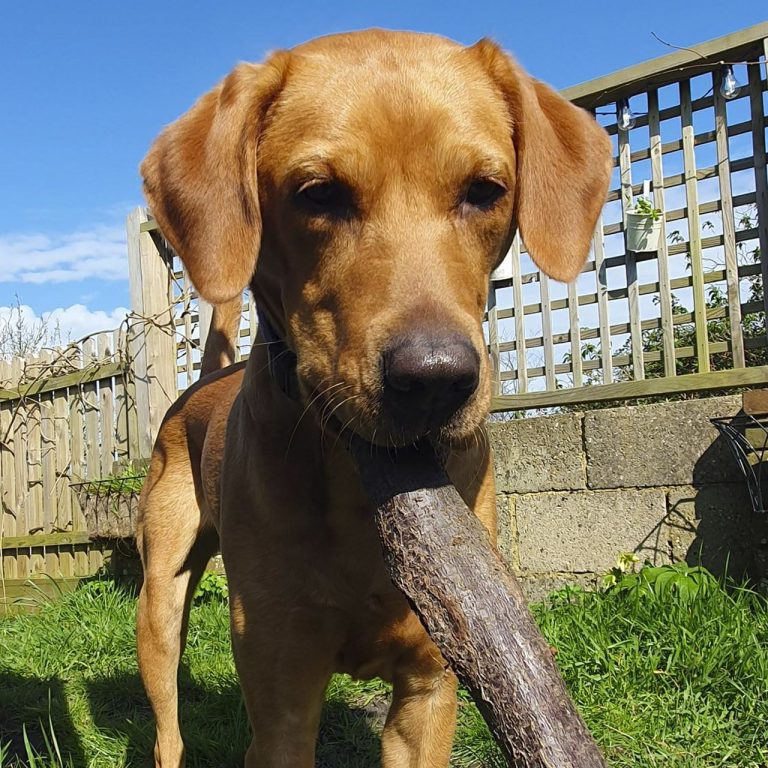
(281,358)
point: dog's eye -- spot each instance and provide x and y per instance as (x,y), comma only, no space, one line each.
(483,193)
(324,195)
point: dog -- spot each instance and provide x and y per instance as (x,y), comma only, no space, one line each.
(363,186)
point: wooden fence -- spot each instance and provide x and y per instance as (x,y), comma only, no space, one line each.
(690,315)
(65,416)
(76,427)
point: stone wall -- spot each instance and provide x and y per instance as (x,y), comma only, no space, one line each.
(575,490)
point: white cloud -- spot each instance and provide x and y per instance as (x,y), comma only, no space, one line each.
(99,252)
(72,322)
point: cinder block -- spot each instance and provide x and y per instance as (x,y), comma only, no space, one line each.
(657,445)
(585,531)
(541,454)
(714,526)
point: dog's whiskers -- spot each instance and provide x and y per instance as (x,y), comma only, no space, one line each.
(309,406)
(324,424)
(330,403)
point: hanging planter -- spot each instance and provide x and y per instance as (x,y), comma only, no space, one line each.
(110,505)
(644,226)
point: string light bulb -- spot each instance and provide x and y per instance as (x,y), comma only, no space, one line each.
(625,118)
(729,85)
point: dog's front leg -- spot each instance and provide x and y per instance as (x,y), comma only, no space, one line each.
(284,666)
(421,722)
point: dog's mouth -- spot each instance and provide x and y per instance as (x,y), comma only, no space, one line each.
(393,432)
(392,422)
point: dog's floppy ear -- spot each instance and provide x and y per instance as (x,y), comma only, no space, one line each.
(200,180)
(563,167)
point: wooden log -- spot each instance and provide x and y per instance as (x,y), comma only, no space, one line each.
(439,555)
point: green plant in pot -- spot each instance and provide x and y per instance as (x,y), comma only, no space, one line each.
(644,226)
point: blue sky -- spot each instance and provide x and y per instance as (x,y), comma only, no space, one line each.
(85,87)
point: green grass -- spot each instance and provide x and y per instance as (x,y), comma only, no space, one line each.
(663,679)
(667,678)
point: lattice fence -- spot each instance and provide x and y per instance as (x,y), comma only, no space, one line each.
(697,303)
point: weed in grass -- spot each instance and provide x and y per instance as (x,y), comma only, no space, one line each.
(213,586)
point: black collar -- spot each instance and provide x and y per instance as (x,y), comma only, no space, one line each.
(281,358)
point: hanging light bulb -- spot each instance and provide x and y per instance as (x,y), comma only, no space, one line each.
(729,86)
(625,119)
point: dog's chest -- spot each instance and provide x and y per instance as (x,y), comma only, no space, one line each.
(349,579)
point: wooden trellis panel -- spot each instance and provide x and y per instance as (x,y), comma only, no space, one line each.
(682,309)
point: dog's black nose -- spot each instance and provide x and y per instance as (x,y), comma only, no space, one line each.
(429,375)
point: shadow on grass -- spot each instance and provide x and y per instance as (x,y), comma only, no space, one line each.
(214,724)
(40,709)
(349,736)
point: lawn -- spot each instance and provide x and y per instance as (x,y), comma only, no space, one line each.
(671,677)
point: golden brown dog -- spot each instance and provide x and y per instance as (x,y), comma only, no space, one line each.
(378,177)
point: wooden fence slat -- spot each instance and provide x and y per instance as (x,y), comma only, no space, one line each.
(493,340)
(729,224)
(47,492)
(546,332)
(90,563)
(47,455)
(624,361)
(705,137)
(78,463)
(625,390)
(573,324)
(188,341)
(521,356)
(77,427)
(694,228)
(131,411)
(253,322)
(106,409)
(205,315)
(758,147)
(91,404)
(665,289)
(63,492)
(122,449)
(678,179)
(633,296)
(240,335)
(48,488)
(601,289)
(8,506)
(712,241)
(35,518)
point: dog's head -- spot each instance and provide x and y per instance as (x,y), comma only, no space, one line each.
(365,185)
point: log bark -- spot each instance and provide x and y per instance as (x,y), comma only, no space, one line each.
(440,556)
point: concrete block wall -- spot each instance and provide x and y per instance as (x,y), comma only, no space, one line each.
(575,490)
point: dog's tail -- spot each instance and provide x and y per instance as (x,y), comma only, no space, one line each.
(222,336)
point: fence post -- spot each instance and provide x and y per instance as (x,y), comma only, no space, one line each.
(205,315)
(151,335)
